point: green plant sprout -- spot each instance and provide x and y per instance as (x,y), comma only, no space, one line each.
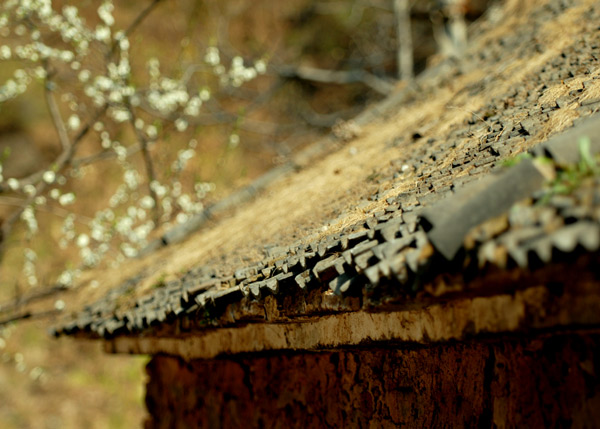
(570,177)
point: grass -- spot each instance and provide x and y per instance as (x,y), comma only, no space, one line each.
(569,178)
(566,178)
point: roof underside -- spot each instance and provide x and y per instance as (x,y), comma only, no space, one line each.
(423,210)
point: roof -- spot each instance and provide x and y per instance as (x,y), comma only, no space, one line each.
(435,211)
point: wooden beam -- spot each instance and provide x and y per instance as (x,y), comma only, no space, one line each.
(534,308)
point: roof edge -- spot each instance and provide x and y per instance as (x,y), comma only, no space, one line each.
(533,309)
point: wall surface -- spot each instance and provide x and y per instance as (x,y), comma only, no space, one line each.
(541,381)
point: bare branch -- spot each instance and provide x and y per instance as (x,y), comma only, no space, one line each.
(59,124)
(36,295)
(140,18)
(135,23)
(102,156)
(324,120)
(218,116)
(338,77)
(27,315)
(58,211)
(148,164)
(404,40)
(451,36)
(61,163)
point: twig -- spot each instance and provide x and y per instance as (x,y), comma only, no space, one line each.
(148,164)
(59,124)
(31,297)
(140,18)
(61,163)
(27,315)
(218,117)
(135,23)
(404,40)
(323,120)
(102,156)
(338,77)
(18,202)
(67,153)
(450,33)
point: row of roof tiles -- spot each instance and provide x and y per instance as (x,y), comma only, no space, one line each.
(398,244)
(401,243)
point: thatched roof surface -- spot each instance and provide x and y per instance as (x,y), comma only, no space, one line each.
(416,207)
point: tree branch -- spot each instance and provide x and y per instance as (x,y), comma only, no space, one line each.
(59,124)
(339,77)
(101,156)
(58,211)
(404,40)
(135,23)
(148,164)
(36,295)
(27,315)
(61,163)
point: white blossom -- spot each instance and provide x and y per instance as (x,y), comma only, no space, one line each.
(13,183)
(28,217)
(29,266)
(105,13)
(212,56)
(83,240)
(181,124)
(128,250)
(102,33)
(66,199)
(60,36)
(124,44)
(234,140)
(5,52)
(151,131)
(29,189)
(66,278)
(73,122)
(159,189)
(66,56)
(36,373)
(120,115)
(182,218)
(260,66)
(84,76)
(147,202)
(39,73)
(204,94)
(70,13)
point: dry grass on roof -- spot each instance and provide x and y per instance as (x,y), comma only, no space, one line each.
(298,206)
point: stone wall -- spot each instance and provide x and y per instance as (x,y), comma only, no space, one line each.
(540,381)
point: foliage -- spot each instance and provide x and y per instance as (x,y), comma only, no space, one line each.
(569,178)
(510,162)
(96,98)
